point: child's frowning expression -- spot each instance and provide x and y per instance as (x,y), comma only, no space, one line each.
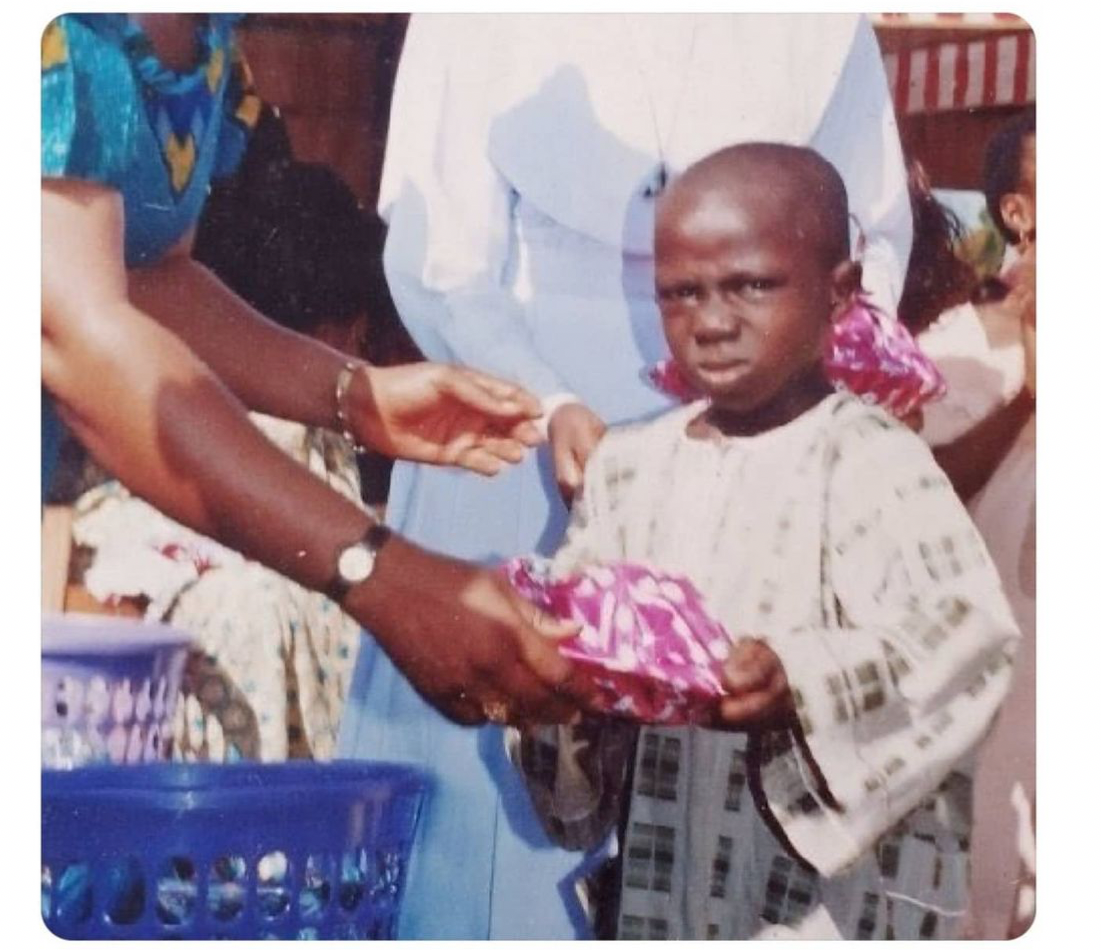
(751,263)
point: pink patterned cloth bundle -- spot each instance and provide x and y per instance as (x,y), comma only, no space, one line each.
(646,639)
(876,358)
(868,354)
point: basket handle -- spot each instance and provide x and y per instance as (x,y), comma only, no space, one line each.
(57,543)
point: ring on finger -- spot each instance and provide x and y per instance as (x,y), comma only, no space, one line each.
(496,711)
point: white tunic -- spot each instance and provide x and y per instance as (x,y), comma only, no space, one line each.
(838,540)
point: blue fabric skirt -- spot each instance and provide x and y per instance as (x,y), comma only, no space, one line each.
(482,865)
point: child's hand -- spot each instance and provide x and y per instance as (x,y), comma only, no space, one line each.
(758,686)
(574,431)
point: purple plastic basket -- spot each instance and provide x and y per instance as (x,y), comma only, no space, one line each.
(109,689)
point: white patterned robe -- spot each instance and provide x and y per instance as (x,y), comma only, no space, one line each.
(838,540)
(268,672)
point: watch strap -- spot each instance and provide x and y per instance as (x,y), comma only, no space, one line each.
(376,535)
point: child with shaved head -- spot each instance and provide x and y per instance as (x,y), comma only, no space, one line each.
(831,797)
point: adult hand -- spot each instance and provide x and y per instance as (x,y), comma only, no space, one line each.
(442,415)
(466,641)
(758,686)
(574,432)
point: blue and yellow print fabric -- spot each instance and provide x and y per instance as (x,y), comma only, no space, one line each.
(114,114)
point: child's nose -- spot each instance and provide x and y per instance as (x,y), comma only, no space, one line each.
(716,318)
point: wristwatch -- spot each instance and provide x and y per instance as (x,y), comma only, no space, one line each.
(356,562)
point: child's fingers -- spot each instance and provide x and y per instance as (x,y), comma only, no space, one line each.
(568,473)
(746,709)
(749,667)
(759,706)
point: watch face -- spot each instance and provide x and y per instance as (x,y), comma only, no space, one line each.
(355,564)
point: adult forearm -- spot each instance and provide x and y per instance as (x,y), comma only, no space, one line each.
(162,422)
(971,459)
(269,368)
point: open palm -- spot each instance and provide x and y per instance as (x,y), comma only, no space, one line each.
(443,415)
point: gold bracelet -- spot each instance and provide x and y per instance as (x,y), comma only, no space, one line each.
(343,384)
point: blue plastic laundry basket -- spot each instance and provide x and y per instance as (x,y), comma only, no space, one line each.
(297,850)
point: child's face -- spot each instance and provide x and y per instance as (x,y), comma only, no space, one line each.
(745,299)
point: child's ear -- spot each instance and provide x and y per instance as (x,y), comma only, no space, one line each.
(844,286)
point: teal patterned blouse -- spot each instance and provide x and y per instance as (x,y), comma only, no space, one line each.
(112,113)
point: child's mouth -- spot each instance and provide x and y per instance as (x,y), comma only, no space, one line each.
(716,372)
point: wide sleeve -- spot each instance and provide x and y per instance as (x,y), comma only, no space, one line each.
(450,249)
(859,135)
(912,659)
(89,116)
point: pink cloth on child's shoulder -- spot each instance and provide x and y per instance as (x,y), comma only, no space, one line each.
(867,354)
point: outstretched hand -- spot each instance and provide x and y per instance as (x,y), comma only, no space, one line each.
(442,415)
(757,685)
(468,643)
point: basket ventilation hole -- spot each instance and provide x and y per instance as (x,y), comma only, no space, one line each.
(226,890)
(177,891)
(47,888)
(143,701)
(273,884)
(136,743)
(72,894)
(122,702)
(160,691)
(388,879)
(353,878)
(97,701)
(125,886)
(317,888)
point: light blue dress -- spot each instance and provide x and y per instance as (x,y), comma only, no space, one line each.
(113,114)
(520,153)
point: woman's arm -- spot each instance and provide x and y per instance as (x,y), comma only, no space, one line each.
(156,415)
(245,350)
(970,460)
(475,421)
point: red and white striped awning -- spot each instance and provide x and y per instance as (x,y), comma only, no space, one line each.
(953,21)
(995,70)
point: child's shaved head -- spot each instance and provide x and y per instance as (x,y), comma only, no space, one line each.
(795,186)
(751,264)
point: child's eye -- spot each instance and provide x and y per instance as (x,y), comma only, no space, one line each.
(682,293)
